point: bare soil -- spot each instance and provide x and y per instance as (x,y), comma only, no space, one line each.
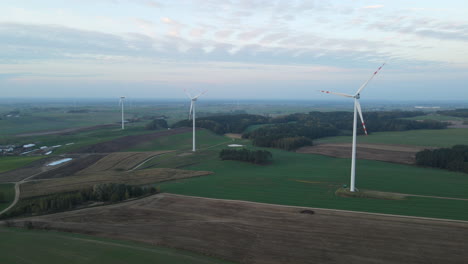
(65,131)
(381,152)
(79,182)
(123,143)
(259,233)
(78,163)
(119,161)
(233,136)
(36,167)
(457,124)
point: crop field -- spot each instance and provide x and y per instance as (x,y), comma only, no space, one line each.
(79,182)
(389,153)
(183,141)
(22,246)
(8,193)
(430,138)
(120,161)
(311,180)
(33,121)
(248,232)
(15,162)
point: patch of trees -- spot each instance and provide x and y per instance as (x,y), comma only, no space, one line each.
(157,124)
(110,192)
(253,156)
(454,159)
(375,121)
(222,124)
(290,136)
(456,112)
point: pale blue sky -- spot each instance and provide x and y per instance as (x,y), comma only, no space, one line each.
(236,49)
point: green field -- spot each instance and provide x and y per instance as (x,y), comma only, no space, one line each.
(8,191)
(14,162)
(204,139)
(31,246)
(430,138)
(311,180)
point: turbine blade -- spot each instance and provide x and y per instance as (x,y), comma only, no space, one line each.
(340,94)
(358,106)
(191,111)
(365,84)
(200,94)
(188,94)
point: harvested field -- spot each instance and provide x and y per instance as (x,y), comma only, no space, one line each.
(68,169)
(73,183)
(123,143)
(35,167)
(119,161)
(259,233)
(390,153)
(66,131)
(233,136)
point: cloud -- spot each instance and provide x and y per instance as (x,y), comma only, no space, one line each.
(373,7)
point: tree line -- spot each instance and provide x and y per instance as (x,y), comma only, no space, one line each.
(253,156)
(109,192)
(457,112)
(222,124)
(454,159)
(292,131)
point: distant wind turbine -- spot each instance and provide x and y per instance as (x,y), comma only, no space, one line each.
(121,102)
(192,113)
(357,108)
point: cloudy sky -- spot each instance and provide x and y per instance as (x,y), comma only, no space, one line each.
(236,49)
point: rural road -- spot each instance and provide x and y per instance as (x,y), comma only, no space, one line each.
(17,190)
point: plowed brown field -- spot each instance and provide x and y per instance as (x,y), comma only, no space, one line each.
(259,233)
(381,152)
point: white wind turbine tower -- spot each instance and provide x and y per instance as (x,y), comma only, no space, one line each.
(357,108)
(192,113)
(121,102)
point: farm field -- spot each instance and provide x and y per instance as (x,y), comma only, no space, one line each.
(14,162)
(429,138)
(79,182)
(311,180)
(8,191)
(380,152)
(44,247)
(183,141)
(248,232)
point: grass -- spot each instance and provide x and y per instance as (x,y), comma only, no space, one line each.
(14,162)
(204,139)
(431,138)
(8,191)
(34,246)
(312,180)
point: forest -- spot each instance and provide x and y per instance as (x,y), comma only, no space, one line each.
(456,112)
(454,159)
(290,132)
(253,156)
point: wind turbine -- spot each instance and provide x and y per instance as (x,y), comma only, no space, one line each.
(192,113)
(121,103)
(357,108)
